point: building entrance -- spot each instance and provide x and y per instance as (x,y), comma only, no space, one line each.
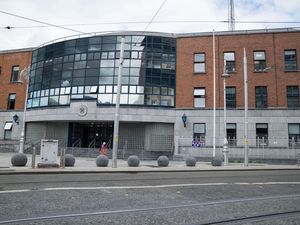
(90,135)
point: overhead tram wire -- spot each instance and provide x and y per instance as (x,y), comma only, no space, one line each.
(153,17)
(38,21)
(144,22)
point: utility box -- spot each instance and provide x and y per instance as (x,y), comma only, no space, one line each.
(49,150)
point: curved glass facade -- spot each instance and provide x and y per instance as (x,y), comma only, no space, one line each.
(87,68)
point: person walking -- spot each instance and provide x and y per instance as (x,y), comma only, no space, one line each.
(103,149)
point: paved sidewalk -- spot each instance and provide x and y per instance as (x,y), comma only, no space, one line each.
(88,165)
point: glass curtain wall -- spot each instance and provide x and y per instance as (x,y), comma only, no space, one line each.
(87,68)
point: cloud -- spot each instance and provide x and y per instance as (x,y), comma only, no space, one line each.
(95,11)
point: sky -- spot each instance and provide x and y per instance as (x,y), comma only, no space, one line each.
(134,15)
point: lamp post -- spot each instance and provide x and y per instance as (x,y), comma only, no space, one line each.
(20,159)
(25,79)
(225,75)
(117,112)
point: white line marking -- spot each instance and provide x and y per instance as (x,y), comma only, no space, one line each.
(14,191)
(146,186)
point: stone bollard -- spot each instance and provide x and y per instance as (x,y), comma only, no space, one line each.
(163,161)
(190,161)
(217,161)
(19,159)
(69,160)
(102,161)
(133,161)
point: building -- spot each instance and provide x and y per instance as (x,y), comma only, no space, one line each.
(72,91)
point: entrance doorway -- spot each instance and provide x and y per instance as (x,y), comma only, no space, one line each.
(90,135)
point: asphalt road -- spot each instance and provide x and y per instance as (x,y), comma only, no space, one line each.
(230,197)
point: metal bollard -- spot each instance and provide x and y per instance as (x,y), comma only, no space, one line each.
(33,157)
(62,158)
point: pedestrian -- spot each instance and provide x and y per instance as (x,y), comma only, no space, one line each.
(103,149)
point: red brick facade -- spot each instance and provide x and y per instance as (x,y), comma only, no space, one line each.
(21,58)
(275,78)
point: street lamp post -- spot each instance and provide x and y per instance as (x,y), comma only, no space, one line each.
(117,112)
(225,75)
(20,159)
(25,79)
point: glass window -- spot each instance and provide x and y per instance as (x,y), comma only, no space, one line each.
(64,99)
(135,99)
(107,63)
(93,89)
(53,100)
(229,57)
(80,65)
(231,134)
(11,101)
(105,98)
(101,89)
(8,130)
(259,61)
(292,96)
(262,134)
(290,60)
(230,97)
(44,101)
(294,134)
(199,97)
(14,74)
(199,131)
(199,63)
(261,97)
(153,100)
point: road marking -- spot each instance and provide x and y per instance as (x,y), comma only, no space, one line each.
(136,210)
(146,186)
(14,191)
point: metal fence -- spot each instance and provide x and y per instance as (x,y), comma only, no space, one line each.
(259,148)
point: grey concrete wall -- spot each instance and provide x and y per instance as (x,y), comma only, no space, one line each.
(94,113)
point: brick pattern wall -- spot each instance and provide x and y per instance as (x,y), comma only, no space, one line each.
(276,79)
(7,61)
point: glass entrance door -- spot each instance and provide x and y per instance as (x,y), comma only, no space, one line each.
(92,135)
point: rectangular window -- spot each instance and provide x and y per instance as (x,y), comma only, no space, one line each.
(199,132)
(14,74)
(199,63)
(230,61)
(8,130)
(262,134)
(0,69)
(259,61)
(11,101)
(261,97)
(199,97)
(292,93)
(230,97)
(294,134)
(231,134)
(290,60)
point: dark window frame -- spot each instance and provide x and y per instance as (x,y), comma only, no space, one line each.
(200,62)
(14,75)
(199,136)
(230,64)
(196,96)
(11,102)
(262,134)
(260,65)
(231,134)
(293,67)
(261,97)
(230,97)
(292,96)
